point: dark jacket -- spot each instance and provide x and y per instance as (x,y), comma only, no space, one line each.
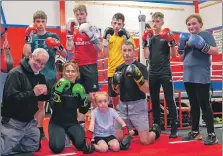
(65,110)
(19,100)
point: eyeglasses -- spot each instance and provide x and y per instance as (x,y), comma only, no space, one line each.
(39,62)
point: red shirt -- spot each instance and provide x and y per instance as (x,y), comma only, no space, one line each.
(85,53)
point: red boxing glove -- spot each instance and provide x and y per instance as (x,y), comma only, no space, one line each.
(32,29)
(125,131)
(146,37)
(54,43)
(168,35)
(89,136)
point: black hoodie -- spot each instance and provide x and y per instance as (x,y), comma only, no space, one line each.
(19,100)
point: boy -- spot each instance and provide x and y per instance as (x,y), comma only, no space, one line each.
(85,43)
(158,46)
(113,39)
(36,36)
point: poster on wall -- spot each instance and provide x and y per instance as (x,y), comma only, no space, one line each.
(218,39)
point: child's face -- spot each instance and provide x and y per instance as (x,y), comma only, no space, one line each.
(81,16)
(102,102)
(157,23)
(40,23)
(194,26)
(71,73)
(117,24)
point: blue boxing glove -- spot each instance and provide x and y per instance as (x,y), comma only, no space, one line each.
(183,38)
(198,42)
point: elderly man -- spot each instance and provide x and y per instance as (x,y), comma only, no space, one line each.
(24,87)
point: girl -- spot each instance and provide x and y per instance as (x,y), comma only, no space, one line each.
(102,124)
(67,97)
(195,48)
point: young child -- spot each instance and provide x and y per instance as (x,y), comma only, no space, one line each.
(102,125)
(68,96)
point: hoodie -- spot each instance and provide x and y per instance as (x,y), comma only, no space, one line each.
(19,100)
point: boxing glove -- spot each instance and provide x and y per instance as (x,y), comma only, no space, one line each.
(146,37)
(135,73)
(78,90)
(168,36)
(89,136)
(124,33)
(183,38)
(198,42)
(91,31)
(54,43)
(116,79)
(107,34)
(32,29)
(125,130)
(62,85)
(71,25)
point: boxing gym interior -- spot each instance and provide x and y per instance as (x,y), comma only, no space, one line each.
(16,16)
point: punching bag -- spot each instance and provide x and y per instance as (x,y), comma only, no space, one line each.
(6,60)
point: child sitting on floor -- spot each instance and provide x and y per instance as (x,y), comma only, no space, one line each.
(102,125)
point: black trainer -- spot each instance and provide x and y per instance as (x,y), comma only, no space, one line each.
(211,139)
(173,131)
(192,136)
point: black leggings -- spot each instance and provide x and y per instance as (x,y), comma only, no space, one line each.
(57,136)
(155,82)
(198,95)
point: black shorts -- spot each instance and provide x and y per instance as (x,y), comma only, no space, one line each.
(89,77)
(106,139)
(111,93)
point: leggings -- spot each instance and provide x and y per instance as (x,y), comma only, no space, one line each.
(198,95)
(57,135)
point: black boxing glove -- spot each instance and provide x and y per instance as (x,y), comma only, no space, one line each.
(107,34)
(124,33)
(136,74)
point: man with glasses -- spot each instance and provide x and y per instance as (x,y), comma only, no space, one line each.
(24,87)
(36,36)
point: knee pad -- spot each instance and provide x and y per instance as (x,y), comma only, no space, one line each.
(156,129)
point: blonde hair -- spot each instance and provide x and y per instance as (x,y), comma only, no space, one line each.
(98,94)
(197,16)
(39,14)
(80,8)
(73,64)
(158,15)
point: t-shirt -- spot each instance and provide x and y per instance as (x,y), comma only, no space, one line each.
(104,122)
(85,52)
(129,90)
(159,56)
(38,41)
(115,57)
(196,63)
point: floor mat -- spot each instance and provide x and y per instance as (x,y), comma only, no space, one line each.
(162,147)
